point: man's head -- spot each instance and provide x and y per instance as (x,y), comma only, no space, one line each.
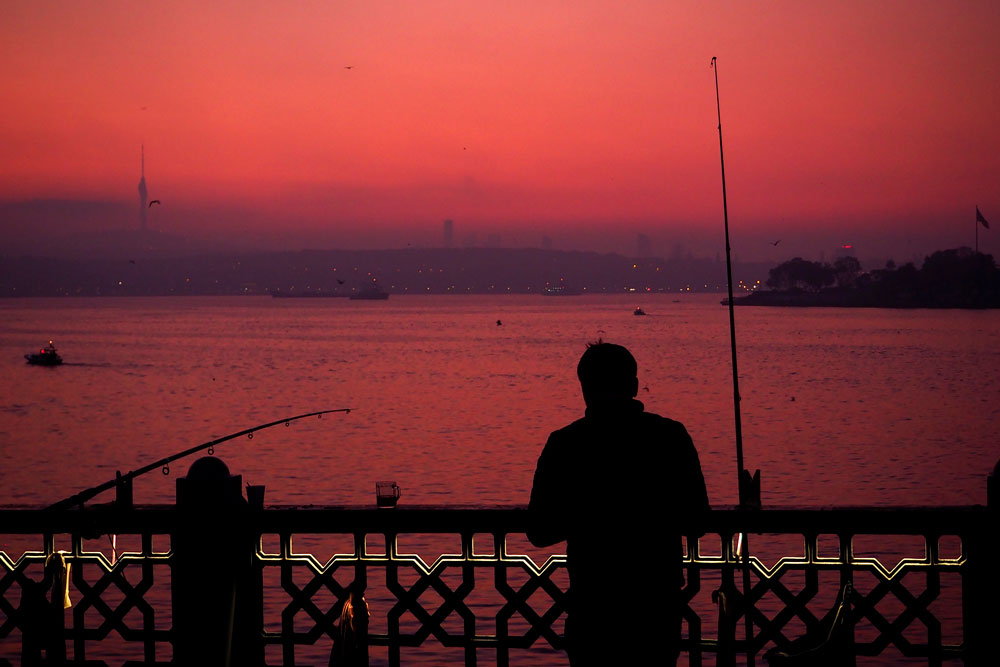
(607,374)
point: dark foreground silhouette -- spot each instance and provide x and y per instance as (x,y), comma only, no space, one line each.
(619,479)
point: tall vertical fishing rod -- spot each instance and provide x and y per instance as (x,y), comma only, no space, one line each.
(744,491)
(729,281)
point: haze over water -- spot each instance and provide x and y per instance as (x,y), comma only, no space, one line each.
(840,407)
(365,125)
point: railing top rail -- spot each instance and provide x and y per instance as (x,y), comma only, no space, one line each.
(103,519)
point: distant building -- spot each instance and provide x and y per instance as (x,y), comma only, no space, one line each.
(449,233)
(643,246)
(142,191)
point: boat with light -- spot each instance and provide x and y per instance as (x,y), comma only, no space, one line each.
(46,356)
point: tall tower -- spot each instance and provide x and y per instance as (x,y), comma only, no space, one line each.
(449,233)
(643,246)
(142,193)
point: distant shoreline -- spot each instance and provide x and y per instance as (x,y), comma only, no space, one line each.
(851,298)
(429,270)
(676,297)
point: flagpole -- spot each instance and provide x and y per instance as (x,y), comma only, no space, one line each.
(744,493)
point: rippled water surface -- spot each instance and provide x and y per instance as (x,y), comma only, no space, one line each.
(839,406)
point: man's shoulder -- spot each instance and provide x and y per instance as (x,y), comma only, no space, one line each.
(570,430)
(649,421)
(662,422)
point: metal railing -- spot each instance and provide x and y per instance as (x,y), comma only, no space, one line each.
(489,601)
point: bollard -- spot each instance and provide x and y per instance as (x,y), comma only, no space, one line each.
(981,583)
(213,602)
(43,620)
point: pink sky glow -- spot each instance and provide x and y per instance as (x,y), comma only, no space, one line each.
(843,117)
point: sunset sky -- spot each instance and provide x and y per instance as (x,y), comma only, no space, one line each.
(872,122)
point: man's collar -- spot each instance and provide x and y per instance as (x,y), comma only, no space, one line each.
(627,406)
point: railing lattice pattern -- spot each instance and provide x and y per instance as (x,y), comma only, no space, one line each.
(492,607)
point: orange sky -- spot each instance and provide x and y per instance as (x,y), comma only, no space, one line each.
(509,115)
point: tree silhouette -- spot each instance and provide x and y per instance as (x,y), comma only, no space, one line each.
(956,278)
(846,271)
(800,274)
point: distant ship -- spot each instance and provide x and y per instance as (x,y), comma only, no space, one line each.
(305,295)
(47,356)
(559,290)
(638,311)
(373,293)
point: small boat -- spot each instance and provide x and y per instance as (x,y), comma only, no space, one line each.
(370,294)
(638,311)
(47,356)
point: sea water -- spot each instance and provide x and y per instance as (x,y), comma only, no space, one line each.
(453,397)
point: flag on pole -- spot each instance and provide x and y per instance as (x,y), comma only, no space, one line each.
(980,218)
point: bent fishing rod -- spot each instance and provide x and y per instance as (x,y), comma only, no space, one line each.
(743,479)
(84,496)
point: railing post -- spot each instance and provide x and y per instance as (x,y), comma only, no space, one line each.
(730,603)
(847,577)
(981,581)
(213,605)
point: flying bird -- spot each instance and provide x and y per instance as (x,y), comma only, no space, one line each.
(348,66)
(155,201)
(339,281)
(776,242)
(131,261)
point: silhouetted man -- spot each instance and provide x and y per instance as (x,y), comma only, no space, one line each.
(617,486)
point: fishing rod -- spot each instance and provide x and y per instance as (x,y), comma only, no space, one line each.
(744,482)
(84,496)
